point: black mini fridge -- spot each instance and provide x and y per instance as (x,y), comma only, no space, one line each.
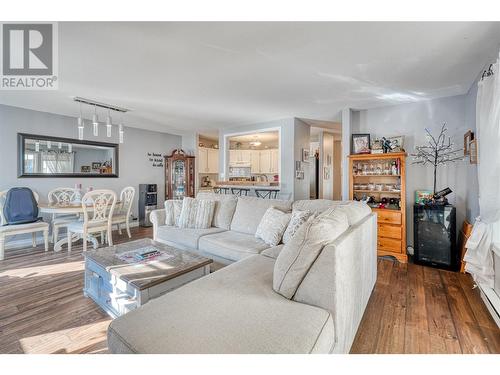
(435,237)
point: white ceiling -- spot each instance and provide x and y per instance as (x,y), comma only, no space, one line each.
(180,77)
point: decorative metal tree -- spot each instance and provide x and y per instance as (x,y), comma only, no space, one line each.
(437,152)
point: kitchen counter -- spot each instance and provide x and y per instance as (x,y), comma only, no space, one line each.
(255,186)
(248,183)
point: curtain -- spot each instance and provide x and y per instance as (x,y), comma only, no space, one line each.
(49,162)
(57,162)
(486,229)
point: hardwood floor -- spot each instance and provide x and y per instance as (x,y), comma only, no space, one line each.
(413,309)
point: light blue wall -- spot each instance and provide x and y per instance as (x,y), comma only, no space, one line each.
(410,120)
(135,168)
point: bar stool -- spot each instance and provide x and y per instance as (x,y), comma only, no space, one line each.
(266,194)
(221,190)
(240,191)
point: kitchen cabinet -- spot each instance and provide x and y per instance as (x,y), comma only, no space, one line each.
(208,160)
(274,161)
(261,161)
(242,156)
(265,161)
(255,161)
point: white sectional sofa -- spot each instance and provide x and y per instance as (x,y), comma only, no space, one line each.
(235,309)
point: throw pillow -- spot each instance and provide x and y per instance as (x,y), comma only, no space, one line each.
(196,213)
(173,209)
(298,218)
(272,226)
(225,205)
(298,255)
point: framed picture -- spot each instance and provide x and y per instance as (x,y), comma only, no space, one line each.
(305,154)
(96,166)
(473,151)
(85,169)
(326,173)
(468,138)
(360,143)
(397,143)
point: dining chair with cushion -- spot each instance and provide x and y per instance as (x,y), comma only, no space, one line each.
(63,197)
(15,229)
(98,207)
(122,214)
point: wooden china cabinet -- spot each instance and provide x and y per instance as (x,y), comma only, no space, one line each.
(383,178)
(179,175)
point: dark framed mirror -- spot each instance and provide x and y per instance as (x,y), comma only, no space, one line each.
(47,156)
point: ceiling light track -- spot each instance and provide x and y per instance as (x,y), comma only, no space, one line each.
(101,105)
(95,118)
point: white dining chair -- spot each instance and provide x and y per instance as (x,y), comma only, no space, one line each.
(15,229)
(122,214)
(63,197)
(98,207)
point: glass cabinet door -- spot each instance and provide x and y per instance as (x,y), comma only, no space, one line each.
(179,179)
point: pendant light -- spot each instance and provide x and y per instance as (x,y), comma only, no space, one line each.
(95,123)
(80,124)
(108,125)
(59,145)
(37,146)
(120,130)
(49,145)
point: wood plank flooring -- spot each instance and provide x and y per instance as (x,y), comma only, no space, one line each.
(413,309)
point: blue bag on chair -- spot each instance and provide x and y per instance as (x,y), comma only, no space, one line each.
(20,206)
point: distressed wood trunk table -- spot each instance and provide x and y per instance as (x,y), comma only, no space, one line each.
(118,282)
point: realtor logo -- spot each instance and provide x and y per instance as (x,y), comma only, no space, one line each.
(29,56)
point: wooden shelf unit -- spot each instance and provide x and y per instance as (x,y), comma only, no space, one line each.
(391,227)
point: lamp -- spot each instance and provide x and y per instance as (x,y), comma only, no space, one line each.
(108,125)
(95,122)
(80,124)
(120,132)
(255,142)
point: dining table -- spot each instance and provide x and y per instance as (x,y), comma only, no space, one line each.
(76,209)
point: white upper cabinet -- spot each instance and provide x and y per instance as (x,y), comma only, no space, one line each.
(208,160)
(242,156)
(213,160)
(255,161)
(261,161)
(275,161)
(265,161)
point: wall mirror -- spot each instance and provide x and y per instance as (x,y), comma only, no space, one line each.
(46,156)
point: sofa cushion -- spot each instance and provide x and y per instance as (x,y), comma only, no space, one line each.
(299,254)
(298,218)
(355,211)
(196,213)
(173,209)
(185,237)
(224,208)
(231,245)
(273,252)
(316,206)
(250,210)
(233,310)
(272,226)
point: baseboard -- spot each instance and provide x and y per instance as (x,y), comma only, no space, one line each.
(26,242)
(492,302)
